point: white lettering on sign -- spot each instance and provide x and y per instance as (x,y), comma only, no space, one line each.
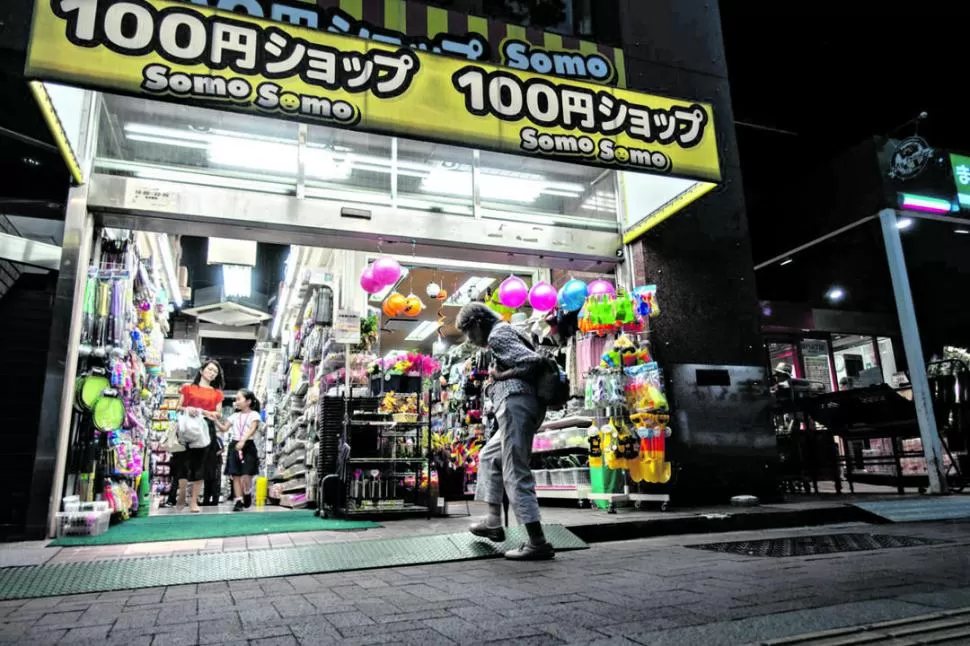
(520,55)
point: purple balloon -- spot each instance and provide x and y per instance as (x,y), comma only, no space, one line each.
(386,271)
(368,282)
(513,292)
(601,288)
(543,297)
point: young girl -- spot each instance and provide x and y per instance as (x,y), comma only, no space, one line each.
(243,460)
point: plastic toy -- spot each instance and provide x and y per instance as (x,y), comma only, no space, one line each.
(368,282)
(543,297)
(573,295)
(387,271)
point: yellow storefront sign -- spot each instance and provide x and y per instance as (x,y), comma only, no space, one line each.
(184,53)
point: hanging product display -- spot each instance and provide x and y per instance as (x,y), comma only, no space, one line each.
(118,390)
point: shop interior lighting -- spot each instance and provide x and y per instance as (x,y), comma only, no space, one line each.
(423,330)
(507,187)
(835,294)
(285,292)
(904,223)
(254,368)
(469,290)
(962,231)
(168,265)
(378,297)
(927,204)
(786,261)
(237,281)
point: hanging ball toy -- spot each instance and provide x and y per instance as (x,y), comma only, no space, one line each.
(413,306)
(368,282)
(442,295)
(573,294)
(433,289)
(601,288)
(395,304)
(387,271)
(542,297)
(513,292)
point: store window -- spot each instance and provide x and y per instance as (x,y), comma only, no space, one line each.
(856,363)
(887,358)
(192,145)
(815,360)
(782,355)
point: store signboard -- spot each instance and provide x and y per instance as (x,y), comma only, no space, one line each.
(346,327)
(179,52)
(440,31)
(961,178)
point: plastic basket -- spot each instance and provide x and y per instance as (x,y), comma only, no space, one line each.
(557,477)
(97,505)
(576,476)
(72,503)
(542,477)
(83,523)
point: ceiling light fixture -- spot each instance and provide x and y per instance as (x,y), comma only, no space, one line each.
(237,281)
(835,294)
(962,231)
(904,223)
(423,330)
(470,289)
(786,261)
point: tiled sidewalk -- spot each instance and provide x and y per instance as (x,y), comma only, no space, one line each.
(637,592)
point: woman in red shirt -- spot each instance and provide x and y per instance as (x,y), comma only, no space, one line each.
(202,397)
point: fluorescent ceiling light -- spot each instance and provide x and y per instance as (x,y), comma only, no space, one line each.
(787,261)
(168,265)
(423,331)
(904,223)
(237,280)
(962,231)
(378,297)
(927,204)
(167,141)
(835,294)
(496,185)
(285,291)
(469,290)
(254,368)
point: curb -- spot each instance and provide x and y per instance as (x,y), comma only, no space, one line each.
(718,523)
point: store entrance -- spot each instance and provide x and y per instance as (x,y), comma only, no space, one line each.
(161,310)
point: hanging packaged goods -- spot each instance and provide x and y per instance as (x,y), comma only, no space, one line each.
(190,54)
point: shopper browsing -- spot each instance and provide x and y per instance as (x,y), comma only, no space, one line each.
(202,398)
(504,461)
(243,460)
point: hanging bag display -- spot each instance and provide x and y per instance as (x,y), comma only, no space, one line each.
(193,432)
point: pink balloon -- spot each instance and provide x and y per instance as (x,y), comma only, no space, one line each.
(513,292)
(543,297)
(601,288)
(387,271)
(368,282)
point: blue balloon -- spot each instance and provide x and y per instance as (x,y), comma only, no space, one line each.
(573,295)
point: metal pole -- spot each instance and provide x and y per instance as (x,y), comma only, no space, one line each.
(54,430)
(932,448)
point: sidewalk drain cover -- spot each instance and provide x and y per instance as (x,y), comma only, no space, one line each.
(813,545)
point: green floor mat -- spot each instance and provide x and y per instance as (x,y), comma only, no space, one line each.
(153,571)
(187,526)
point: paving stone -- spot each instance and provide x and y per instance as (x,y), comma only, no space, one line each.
(294,606)
(347,619)
(54,620)
(190,591)
(285,640)
(85,635)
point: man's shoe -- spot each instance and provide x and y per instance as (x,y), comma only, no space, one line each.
(482,530)
(530,552)
(238,506)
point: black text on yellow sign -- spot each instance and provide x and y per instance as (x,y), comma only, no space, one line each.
(184,53)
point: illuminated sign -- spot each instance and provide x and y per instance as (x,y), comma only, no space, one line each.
(177,52)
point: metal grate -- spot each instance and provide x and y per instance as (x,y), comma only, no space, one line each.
(151,571)
(814,545)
